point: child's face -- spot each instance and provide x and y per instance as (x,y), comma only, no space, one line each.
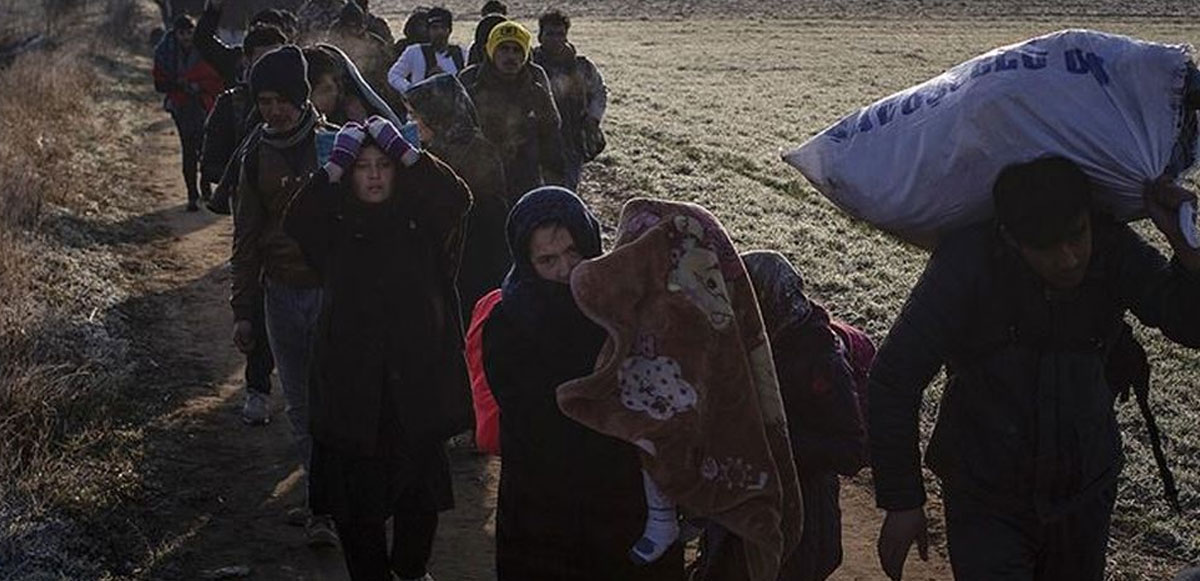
(325,94)
(373,175)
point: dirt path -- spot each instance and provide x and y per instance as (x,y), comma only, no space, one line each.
(221,489)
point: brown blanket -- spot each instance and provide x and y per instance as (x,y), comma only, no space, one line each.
(687,375)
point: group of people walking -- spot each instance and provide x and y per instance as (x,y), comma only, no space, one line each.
(671,388)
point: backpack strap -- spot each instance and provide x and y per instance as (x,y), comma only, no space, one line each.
(430,58)
(1127,367)
(431,63)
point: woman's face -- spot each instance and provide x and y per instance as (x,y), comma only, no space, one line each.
(372,175)
(325,94)
(553,254)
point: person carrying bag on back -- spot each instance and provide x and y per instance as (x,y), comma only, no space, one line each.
(1026,313)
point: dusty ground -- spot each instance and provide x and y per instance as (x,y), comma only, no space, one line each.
(700,109)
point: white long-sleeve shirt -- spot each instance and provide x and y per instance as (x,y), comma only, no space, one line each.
(409,69)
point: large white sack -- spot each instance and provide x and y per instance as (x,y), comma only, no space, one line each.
(923,161)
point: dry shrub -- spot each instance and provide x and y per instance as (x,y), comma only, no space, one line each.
(46,121)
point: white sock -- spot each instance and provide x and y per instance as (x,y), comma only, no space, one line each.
(662,525)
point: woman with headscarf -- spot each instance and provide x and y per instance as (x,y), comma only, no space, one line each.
(445,118)
(382,224)
(571,501)
(828,432)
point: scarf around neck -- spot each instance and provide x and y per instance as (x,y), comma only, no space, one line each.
(309,118)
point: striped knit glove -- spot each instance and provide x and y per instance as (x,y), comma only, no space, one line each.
(346,145)
(389,139)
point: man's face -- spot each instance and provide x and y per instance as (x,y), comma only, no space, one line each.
(326,93)
(509,58)
(1063,264)
(439,34)
(553,254)
(553,38)
(279,113)
(184,37)
(372,175)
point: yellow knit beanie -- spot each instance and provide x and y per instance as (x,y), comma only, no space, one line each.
(509,31)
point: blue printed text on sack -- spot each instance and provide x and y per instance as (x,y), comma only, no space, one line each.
(1030,58)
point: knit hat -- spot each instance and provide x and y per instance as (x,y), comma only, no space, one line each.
(284,71)
(509,31)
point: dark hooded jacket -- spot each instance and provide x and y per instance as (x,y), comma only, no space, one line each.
(519,116)
(444,106)
(571,502)
(1026,421)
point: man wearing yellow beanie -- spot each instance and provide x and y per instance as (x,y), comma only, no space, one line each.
(516,110)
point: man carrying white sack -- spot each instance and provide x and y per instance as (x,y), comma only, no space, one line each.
(1027,315)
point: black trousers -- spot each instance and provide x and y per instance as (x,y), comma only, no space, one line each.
(259,361)
(994,545)
(189,123)
(364,545)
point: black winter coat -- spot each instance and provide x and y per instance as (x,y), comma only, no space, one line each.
(1026,421)
(390,315)
(571,502)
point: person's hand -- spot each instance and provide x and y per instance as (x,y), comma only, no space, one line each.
(346,145)
(900,529)
(243,336)
(387,136)
(1164,200)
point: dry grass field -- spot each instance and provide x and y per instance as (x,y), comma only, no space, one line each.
(701,109)
(120,452)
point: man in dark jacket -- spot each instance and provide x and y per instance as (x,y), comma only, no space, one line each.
(1024,315)
(231,119)
(267,263)
(579,90)
(517,111)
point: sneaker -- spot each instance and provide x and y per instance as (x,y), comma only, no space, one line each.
(193,207)
(425,577)
(320,533)
(254,411)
